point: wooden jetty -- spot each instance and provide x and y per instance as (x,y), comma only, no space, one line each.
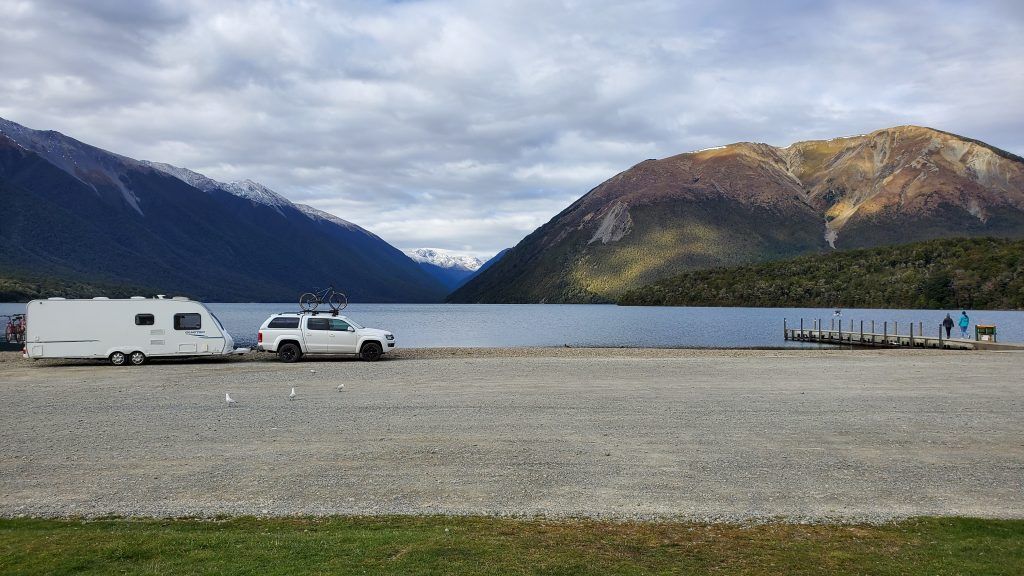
(868,334)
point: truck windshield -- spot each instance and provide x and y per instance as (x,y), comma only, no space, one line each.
(353,322)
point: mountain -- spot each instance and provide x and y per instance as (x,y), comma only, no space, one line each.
(943,274)
(79,213)
(749,202)
(449,268)
(494,260)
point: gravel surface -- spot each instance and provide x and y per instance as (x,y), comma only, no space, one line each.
(720,435)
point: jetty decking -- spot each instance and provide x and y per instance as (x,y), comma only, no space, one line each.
(868,334)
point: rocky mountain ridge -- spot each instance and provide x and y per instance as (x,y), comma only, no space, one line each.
(751,202)
(78,212)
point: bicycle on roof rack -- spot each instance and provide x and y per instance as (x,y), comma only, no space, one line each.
(312,300)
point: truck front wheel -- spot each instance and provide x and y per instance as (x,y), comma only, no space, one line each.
(371,351)
(289,353)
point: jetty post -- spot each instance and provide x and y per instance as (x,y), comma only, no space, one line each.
(885,332)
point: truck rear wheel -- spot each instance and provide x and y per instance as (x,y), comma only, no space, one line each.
(371,352)
(289,353)
(118,358)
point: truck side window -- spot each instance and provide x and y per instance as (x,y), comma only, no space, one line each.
(284,322)
(144,320)
(338,325)
(318,324)
(190,321)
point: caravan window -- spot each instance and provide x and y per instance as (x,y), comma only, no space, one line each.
(144,320)
(190,321)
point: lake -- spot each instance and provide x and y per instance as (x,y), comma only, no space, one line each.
(482,325)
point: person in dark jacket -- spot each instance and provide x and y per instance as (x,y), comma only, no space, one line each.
(948,324)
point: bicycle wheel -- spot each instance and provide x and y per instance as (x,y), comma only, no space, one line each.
(337,301)
(308,301)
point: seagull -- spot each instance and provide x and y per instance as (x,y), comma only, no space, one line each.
(341,387)
(231,401)
(311,371)
(292,395)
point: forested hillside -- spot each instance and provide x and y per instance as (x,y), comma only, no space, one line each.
(25,288)
(937,274)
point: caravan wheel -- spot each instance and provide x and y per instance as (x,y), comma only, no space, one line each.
(118,358)
(137,358)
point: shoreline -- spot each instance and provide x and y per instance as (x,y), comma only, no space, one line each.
(522,352)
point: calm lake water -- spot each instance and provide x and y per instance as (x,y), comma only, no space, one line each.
(481,325)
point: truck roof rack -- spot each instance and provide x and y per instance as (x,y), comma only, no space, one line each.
(313,312)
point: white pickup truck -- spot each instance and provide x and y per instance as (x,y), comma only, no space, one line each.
(294,335)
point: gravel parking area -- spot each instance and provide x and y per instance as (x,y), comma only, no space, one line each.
(726,435)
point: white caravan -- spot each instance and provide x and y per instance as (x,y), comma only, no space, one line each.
(125,331)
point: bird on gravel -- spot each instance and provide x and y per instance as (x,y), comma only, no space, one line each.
(341,387)
(311,371)
(292,395)
(231,401)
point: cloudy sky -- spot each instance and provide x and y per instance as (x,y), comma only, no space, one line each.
(465,125)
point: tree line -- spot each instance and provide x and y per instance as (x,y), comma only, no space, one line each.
(949,273)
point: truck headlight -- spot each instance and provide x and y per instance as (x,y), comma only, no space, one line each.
(389,336)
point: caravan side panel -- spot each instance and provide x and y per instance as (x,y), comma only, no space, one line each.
(98,328)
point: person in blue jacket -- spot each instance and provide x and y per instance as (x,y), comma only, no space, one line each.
(965,322)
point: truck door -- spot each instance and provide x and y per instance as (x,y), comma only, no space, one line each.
(317,335)
(343,337)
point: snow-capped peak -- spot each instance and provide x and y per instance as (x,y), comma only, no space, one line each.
(445,258)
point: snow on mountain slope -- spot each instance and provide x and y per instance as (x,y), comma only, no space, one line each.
(314,214)
(193,179)
(252,191)
(90,165)
(257,193)
(445,259)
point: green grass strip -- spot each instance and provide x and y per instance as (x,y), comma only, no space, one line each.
(443,545)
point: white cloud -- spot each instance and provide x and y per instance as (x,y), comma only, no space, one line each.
(467,124)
